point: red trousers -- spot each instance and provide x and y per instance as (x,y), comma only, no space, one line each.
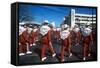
(65,44)
(86,46)
(76,36)
(44,47)
(23,39)
(34,37)
(22,48)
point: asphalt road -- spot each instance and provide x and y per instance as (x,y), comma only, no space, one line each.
(77,54)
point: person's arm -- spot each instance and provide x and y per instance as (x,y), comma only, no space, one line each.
(49,38)
(79,34)
(31,36)
(49,35)
(19,43)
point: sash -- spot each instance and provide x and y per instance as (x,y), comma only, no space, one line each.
(76,30)
(64,34)
(44,30)
(86,32)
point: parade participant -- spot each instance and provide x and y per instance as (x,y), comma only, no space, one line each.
(46,40)
(36,31)
(21,41)
(24,40)
(56,33)
(76,34)
(34,35)
(66,43)
(28,39)
(87,38)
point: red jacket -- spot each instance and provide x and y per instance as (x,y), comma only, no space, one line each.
(23,38)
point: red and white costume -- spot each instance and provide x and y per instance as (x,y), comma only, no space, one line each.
(23,40)
(34,36)
(29,30)
(36,31)
(56,34)
(66,43)
(87,38)
(46,40)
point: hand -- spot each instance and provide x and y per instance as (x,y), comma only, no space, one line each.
(19,43)
(26,43)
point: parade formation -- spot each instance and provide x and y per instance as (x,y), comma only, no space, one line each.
(30,35)
(51,33)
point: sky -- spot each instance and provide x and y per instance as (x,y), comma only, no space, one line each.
(39,13)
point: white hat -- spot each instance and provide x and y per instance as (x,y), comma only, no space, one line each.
(46,21)
(53,24)
(65,26)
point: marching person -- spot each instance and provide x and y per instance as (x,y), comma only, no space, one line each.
(28,39)
(34,35)
(56,34)
(36,30)
(24,40)
(56,31)
(21,41)
(87,38)
(76,34)
(45,31)
(65,43)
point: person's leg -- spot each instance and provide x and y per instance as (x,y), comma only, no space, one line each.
(28,48)
(68,46)
(62,53)
(51,49)
(84,51)
(76,39)
(43,52)
(30,41)
(36,36)
(88,49)
(21,49)
(34,40)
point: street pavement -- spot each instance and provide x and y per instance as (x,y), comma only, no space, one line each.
(77,54)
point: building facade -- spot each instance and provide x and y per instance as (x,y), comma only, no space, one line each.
(77,18)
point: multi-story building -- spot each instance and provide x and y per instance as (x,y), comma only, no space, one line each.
(77,18)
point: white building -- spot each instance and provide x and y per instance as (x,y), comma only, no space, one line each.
(76,18)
